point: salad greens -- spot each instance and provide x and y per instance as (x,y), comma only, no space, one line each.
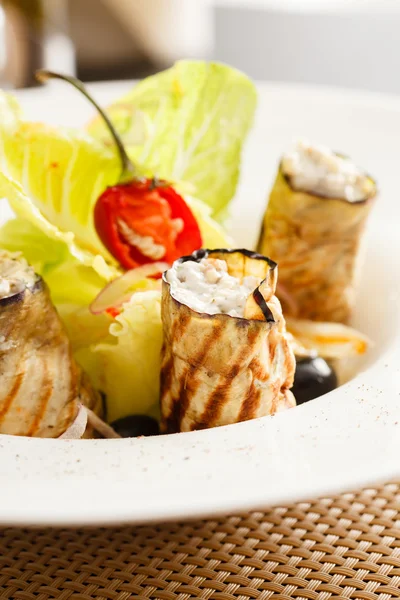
(61,173)
(186,124)
(31,223)
(131,354)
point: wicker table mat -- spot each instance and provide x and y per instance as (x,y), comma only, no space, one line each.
(343,547)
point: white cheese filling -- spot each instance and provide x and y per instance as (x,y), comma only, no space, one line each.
(15,274)
(316,169)
(145,243)
(207,287)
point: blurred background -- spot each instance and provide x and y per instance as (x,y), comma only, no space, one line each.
(350,43)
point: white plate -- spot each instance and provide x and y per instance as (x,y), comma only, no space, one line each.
(348,438)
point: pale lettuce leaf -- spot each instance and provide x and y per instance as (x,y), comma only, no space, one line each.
(41,251)
(62,173)
(125,365)
(193,118)
(213,235)
(54,240)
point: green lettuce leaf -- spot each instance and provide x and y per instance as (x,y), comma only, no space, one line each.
(213,235)
(122,356)
(41,252)
(188,124)
(70,281)
(58,246)
(61,173)
(127,362)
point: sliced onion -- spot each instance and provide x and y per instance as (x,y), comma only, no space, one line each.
(84,418)
(329,340)
(299,350)
(78,427)
(101,426)
(120,290)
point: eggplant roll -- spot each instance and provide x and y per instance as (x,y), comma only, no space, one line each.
(313,228)
(226,356)
(41,386)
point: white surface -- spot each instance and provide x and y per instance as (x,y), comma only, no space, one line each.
(344,6)
(348,438)
(346,43)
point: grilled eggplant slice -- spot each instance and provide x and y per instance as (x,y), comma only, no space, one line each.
(316,240)
(41,386)
(219,369)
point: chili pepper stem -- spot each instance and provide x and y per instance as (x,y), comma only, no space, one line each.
(128,169)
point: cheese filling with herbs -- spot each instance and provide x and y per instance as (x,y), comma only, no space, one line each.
(15,274)
(316,169)
(207,287)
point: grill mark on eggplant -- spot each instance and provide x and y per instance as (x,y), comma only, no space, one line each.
(75,381)
(183,399)
(220,395)
(47,391)
(250,404)
(275,398)
(252,400)
(258,370)
(172,422)
(11,396)
(209,341)
(290,365)
(166,373)
(252,336)
(213,408)
(180,326)
(6,330)
(181,403)
(272,349)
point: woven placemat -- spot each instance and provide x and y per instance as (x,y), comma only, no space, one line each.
(343,547)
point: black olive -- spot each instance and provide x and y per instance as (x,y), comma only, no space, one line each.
(135,426)
(313,377)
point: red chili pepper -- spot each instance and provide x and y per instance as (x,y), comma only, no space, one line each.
(113,312)
(140,223)
(139,220)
